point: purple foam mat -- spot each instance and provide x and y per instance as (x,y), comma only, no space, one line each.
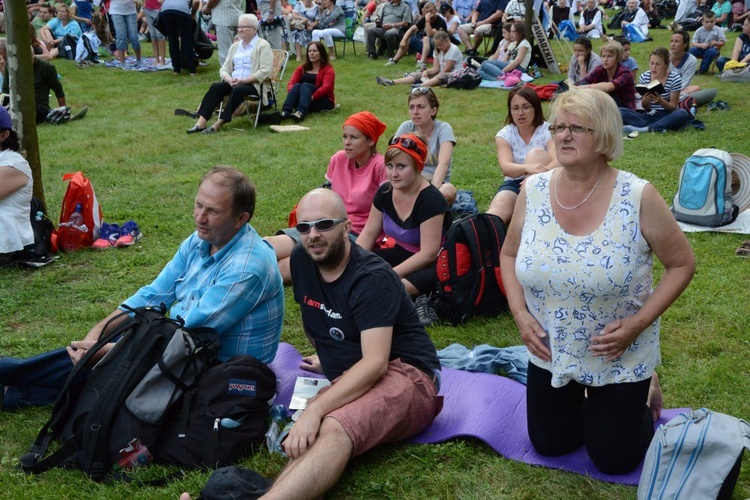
(487,407)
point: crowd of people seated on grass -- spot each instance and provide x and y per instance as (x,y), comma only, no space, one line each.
(557,184)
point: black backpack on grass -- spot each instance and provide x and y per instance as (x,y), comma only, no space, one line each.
(220,421)
(468,268)
(127,395)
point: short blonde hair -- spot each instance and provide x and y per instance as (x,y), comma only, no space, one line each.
(598,112)
(613,47)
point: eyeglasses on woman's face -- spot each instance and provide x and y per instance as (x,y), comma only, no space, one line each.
(576,130)
(525,108)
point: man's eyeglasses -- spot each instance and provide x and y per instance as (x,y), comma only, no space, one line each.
(321,225)
(405,142)
(525,108)
(574,129)
(420,90)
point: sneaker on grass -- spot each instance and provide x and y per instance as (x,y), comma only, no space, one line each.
(425,305)
(107,236)
(386,82)
(129,235)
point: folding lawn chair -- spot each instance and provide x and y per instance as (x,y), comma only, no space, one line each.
(352,22)
(270,86)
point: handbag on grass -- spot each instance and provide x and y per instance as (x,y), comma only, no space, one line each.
(695,455)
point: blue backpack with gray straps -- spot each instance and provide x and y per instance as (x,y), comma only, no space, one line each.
(694,455)
(704,195)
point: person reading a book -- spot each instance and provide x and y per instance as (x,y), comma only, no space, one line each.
(612,76)
(369,343)
(578,234)
(660,96)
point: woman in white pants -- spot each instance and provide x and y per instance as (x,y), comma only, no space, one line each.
(332,25)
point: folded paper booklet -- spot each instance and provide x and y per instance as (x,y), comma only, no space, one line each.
(654,87)
(288,128)
(304,389)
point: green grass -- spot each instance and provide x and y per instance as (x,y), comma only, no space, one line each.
(144,167)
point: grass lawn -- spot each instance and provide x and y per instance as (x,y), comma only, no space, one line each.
(144,167)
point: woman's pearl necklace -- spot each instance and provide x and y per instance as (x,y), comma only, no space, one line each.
(585,199)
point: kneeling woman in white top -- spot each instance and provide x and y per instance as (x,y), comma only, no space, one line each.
(577,269)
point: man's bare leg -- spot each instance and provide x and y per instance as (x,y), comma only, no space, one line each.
(315,472)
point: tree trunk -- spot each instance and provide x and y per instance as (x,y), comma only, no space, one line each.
(21,85)
(528,18)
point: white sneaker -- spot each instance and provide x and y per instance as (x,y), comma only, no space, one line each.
(390,62)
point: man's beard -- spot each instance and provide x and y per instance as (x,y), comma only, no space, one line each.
(335,254)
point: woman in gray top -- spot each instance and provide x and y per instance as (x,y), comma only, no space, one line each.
(332,25)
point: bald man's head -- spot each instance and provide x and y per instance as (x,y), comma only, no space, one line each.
(326,239)
(322,201)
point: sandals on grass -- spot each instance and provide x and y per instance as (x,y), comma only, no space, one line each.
(743,250)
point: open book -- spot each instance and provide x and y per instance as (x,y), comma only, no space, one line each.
(654,87)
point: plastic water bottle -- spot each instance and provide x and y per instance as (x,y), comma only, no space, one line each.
(535,71)
(76,218)
(39,216)
(278,430)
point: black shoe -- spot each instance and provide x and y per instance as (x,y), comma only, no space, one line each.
(80,114)
(194,129)
(372,55)
(185,112)
(285,115)
(209,130)
(471,52)
(425,305)
(298,117)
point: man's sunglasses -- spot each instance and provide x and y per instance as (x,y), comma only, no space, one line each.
(321,225)
(405,142)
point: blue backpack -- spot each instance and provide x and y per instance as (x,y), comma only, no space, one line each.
(704,195)
(694,455)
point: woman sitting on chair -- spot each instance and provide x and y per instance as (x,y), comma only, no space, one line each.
(311,87)
(249,62)
(332,25)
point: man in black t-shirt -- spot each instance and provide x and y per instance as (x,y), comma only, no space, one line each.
(383,365)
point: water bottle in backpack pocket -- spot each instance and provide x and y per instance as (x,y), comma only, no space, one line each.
(220,421)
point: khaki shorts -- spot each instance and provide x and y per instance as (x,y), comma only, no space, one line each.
(400,405)
(483,30)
